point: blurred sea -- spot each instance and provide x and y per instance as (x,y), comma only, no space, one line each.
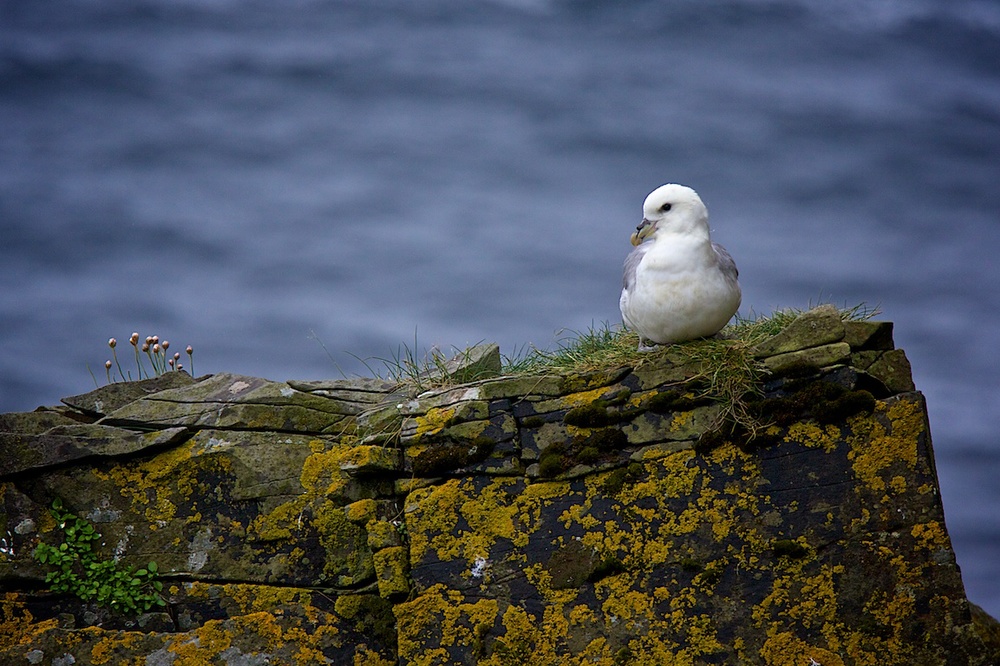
(269,181)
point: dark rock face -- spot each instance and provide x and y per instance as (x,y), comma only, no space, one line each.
(603,518)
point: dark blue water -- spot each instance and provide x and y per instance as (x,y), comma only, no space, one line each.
(255,181)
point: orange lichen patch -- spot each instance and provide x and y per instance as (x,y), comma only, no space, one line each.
(502,509)
(255,633)
(547,491)
(392,569)
(490,515)
(669,477)
(257,598)
(579,513)
(522,642)
(430,517)
(817,598)
(199,645)
(322,480)
(813,435)
(582,614)
(785,649)
(114,646)
(680,420)
(583,398)
(362,657)
(931,536)
(733,459)
(442,614)
(17,626)
(885,438)
(362,511)
(158,485)
(279,524)
(801,600)
(321,473)
(631,607)
(435,420)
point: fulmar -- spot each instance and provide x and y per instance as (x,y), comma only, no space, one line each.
(678,284)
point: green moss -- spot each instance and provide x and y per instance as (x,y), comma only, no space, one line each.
(712,439)
(711,574)
(571,566)
(553,461)
(618,479)
(623,656)
(593,415)
(848,404)
(532,422)
(581,450)
(673,400)
(369,615)
(691,565)
(446,456)
(789,548)
(479,635)
(822,400)
(608,566)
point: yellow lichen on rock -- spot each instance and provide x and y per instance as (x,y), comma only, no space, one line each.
(435,420)
(931,536)
(17,626)
(890,435)
(786,649)
(624,515)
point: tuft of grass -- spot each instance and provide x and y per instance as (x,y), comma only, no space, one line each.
(729,374)
(433,370)
(756,327)
(596,348)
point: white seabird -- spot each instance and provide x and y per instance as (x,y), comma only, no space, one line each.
(678,284)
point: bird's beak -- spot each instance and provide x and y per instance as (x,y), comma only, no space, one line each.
(642,231)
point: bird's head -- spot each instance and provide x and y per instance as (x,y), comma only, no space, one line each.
(671,208)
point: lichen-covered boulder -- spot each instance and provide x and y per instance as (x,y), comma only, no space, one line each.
(624,515)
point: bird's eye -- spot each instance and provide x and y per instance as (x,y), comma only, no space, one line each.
(665,207)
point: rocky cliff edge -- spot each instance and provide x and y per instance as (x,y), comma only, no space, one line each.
(626,515)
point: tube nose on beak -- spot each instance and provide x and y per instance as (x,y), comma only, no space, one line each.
(642,231)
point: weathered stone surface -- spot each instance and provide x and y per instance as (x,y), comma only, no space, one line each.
(893,369)
(521,387)
(863,335)
(19,424)
(820,326)
(237,402)
(107,399)
(361,389)
(610,517)
(216,624)
(479,362)
(812,357)
(65,443)
(584,569)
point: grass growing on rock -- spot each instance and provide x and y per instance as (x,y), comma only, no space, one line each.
(726,370)
(606,346)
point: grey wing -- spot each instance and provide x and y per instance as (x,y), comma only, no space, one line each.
(726,262)
(632,265)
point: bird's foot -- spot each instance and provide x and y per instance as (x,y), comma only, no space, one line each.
(643,347)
